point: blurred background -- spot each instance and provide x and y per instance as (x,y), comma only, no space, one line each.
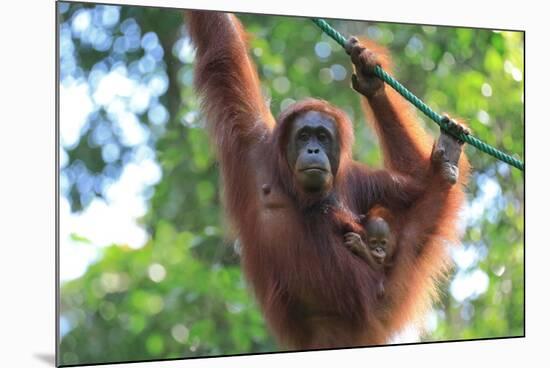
(146,265)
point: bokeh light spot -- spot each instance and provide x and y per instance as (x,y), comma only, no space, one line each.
(156,272)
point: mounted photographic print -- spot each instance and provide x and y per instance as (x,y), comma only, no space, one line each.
(246,183)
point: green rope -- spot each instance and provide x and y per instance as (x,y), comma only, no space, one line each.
(438,119)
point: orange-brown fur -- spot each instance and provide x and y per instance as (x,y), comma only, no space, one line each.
(313,292)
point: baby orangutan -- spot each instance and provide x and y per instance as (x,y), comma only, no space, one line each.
(380,242)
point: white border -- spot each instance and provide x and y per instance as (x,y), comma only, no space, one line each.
(27,180)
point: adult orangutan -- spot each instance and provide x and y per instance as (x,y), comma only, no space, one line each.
(292,190)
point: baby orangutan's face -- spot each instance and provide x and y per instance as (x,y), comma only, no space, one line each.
(379,239)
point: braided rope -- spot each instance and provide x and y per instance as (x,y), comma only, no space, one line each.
(409,96)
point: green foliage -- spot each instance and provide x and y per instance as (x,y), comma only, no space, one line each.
(159,301)
(183,294)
